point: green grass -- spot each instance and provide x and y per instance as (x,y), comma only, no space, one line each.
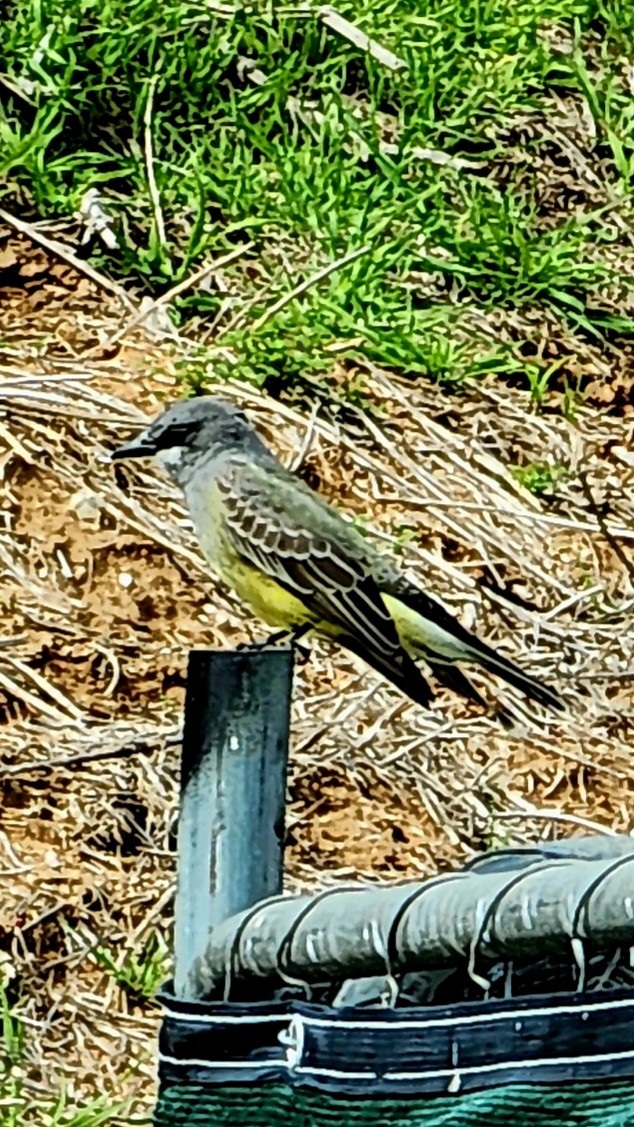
(140,975)
(18,1107)
(540,478)
(323,157)
(11,1057)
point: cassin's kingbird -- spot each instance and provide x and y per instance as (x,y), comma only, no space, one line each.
(300,565)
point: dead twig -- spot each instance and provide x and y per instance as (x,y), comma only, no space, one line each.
(169,295)
(599,513)
(358,38)
(149,163)
(61,251)
(307,440)
(126,751)
(557,816)
(318,276)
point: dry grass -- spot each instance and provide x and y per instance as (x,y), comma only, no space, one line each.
(105,591)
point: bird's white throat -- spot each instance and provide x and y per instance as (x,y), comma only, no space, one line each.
(171,458)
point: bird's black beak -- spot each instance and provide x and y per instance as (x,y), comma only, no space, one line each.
(140,447)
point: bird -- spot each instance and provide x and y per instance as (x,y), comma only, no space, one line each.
(302,566)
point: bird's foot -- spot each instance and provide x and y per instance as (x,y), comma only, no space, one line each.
(289,637)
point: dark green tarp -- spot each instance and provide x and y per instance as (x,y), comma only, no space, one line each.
(607,1104)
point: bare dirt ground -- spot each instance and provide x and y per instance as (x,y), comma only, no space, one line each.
(104,592)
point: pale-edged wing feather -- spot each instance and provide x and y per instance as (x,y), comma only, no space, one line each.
(281,527)
(475,649)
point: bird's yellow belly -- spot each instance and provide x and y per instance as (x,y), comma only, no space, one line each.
(267,598)
(264,595)
(270,601)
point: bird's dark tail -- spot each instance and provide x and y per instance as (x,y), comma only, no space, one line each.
(454,678)
(441,640)
(495,662)
(402,672)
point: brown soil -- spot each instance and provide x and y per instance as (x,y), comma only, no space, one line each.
(104,592)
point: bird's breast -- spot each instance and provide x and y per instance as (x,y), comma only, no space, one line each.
(207,511)
(270,601)
(266,597)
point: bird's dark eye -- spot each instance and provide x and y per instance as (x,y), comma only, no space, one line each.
(178,434)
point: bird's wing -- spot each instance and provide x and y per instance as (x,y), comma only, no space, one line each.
(468,647)
(281,527)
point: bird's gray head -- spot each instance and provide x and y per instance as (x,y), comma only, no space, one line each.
(191,430)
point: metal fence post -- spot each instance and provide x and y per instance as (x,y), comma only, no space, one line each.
(233,783)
